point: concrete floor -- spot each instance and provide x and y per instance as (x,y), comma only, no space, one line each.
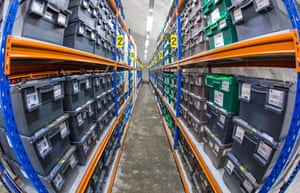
(147,164)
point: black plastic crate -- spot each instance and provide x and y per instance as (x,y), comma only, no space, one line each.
(100,47)
(78,89)
(41,20)
(197,127)
(214,148)
(34,99)
(80,36)
(81,119)
(198,43)
(263,104)
(184,98)
(197,106)
(84,10)
(98,84)
(236,177)
(197,84)
(60,3)
(59,175)
(255,150)
(100,105)
(220,122)
(183,114)
(86,144)
(270,15)
(45,147)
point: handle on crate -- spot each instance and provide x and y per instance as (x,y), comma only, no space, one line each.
(45,89)
(85,4)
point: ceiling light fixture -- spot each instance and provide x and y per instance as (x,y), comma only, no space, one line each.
(149,23)
(146,43)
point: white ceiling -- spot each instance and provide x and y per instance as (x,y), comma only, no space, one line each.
(136,12)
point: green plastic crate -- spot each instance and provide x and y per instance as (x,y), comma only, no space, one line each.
(221,33)
(223,91)
(215,9)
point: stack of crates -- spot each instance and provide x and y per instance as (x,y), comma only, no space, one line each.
(170,88)
(167,55)
(194,94)
(192,168)
(223,104)
(259,132)
(220,29)
(42,20)
(159,80)
(44,130)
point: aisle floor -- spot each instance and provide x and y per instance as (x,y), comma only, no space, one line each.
(147,164)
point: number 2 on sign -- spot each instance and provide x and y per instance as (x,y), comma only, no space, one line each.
(120,41)
(173,41)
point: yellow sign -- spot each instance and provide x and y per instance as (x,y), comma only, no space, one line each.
(131,54)
(120,41)
(173,41)
(154,60)
(160,54)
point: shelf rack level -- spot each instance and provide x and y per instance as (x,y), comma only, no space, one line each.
(294,131)
(6,105)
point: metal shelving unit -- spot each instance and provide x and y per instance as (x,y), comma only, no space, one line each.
(274,50)
(23,58)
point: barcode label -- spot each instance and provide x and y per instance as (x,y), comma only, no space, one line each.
(215,15)
(218,40)
(230,166)
(222,119)
(73,161)
(37,7)
(276,98)
(225,85)
(218,98)
(57,91)
(237,14)
(246,91)
(264,150)
(240,133)
(32,99)
(87,84)
(43,146)
(61,19)
(222,24)
(49,15)
(248,186)
(261,4)
(63,130)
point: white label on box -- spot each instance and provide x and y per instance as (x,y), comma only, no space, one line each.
(85,147)
(240,133)
(99,105)
(215,15)
(218,40)
(85,3)
(217,148)
(276,98)
(84,114)
(97,82)
(199,81)
(58,180)
(75,87)
(63,130)
(225,85)
(246,91)
(79,118)
(218,98)
(205,106)
(49,15)
(222,119)
(238,15)
(32,99)
(248,186)
(230,166)
(37,7)
(87,84)
(264,150)
(57,91)
(216,1)
(261,4)
(81,30)
(90,109)
(222,24)
(43,146)
(72,161)
(211,144)
(8,141)
(61,19)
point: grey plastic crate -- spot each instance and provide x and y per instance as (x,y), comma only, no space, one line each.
(78,89)
(263,104)
(80,36)
(34,99)
(100,48)
(84,10)
(197,84)
(197,127)
(98,86)
(270,16)
(81,119)
(220,122)
(59,175)
(257,151)
(184,114)
(184,98)
(185,81)
(60,3)
(42,21)
(214,148)
(236,178)
(86,144)
(197,106)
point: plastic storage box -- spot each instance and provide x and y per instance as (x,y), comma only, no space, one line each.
(185,83)
(86,144)
(214,148)
(269,15)
(84,10)
(197,84)
(100,106)
(100,47)
(197,106)
(198,43)
(41,20)
(215,9)
(78,89)
(34,99)
(184,98)
(80,36)
(220,123)
(45,147)
(60,174)
(255,150)
(263,104)
(98,84)
(81,119)
(197,127)
(223,91)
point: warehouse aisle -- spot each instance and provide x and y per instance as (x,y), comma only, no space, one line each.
(147,164)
